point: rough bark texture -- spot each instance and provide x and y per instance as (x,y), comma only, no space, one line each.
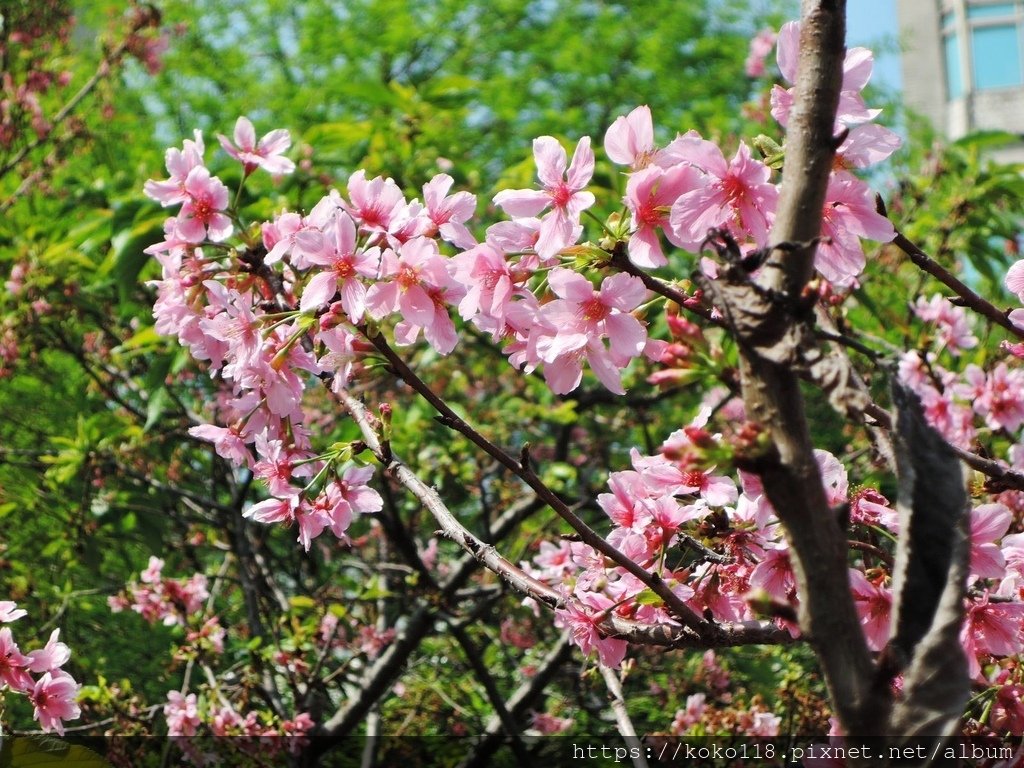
(928,580)
(773,325)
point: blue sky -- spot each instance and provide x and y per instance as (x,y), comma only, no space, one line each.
(870,22)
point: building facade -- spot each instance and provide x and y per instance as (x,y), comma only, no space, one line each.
(962,65)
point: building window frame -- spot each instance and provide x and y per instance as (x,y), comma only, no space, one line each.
(969,67)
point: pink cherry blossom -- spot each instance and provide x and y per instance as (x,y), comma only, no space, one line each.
(1015,279)
(273,510)
(760,46)
(583,318)
(849,214)
(833,477)
(869,507)
(267,154)
(354,489)
(581,618)
(1001,401)
(857,68)
(989,523)
(151,575)
(992,628)
(295,235)
(13,664)
(1008,710)
(650,194)
(690,716)
(953,330)
(345,265)
(564,192)
(774,574)
(489,281)
(448,213)
(180,162)
(416,283)
(548,725)
(227,441)
(53,698)
(630,139)
(867,145)
(736,194)
(201,216)
(182,714)
(375,203)
(874,606)
(50,658)
(9,611)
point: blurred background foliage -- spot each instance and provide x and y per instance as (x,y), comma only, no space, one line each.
(97,471)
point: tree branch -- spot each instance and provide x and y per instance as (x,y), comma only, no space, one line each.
(526,473)
(522,698)
(970,298)
(773,330)
(622,720)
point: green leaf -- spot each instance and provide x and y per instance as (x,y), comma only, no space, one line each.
(648,597)
(985,140)
(126,254)
(158,402)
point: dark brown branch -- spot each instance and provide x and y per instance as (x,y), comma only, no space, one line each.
(476,663)
(587,534)
(773,332)
(520,700)
(968,297)
(725,634)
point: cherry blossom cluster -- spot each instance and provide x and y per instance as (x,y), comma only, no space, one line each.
(718,544)
(206,732)
(259,353)
(38,674)
(302,302)
(156,598)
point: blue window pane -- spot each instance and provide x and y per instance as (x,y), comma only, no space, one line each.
(988,11)
(953,82)
(995,53)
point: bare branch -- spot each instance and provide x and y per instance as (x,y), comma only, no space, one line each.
(522,698)
(625,725)
(476,662)
(969,298)
(587,534)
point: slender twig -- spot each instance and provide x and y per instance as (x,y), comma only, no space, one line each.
(1003,478)
(969,298)
(476,662)
(871,549)
(619,259)
(622,719)
(525,472)
(522,698)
